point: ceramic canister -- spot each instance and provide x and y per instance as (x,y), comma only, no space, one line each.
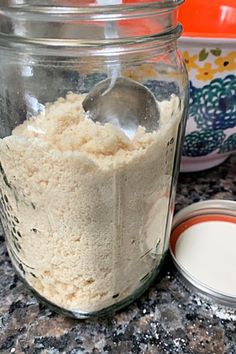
(209,49)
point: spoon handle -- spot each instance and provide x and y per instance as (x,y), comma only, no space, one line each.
(110,31)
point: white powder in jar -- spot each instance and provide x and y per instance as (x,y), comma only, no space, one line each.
(85,208)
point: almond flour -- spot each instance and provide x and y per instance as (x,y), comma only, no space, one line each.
(84,208)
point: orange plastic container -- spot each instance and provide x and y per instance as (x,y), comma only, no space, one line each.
(204,18)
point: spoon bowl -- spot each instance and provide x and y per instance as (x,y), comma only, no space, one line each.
(127,104)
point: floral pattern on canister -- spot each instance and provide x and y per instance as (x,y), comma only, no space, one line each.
(206,64)
(213,109)
(211,127)
(215,104)
(202,143)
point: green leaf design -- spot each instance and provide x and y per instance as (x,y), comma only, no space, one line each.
(202,143)
(229,144)
(203,55)
(216,52)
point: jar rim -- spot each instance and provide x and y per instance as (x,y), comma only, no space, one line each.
(70,46)
(24,35)
(35,9)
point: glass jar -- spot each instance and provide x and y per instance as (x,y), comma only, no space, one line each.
(87,210)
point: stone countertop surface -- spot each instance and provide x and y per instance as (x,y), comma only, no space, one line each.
(167,319)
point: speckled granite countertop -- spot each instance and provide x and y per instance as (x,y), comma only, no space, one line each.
(167,319)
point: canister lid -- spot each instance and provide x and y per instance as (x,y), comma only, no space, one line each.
(203,247)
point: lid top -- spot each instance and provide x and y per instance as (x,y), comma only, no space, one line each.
(203,246)
(207,251)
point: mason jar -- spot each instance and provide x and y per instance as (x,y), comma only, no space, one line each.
(86,209)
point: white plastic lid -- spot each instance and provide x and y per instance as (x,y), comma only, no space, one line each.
(203,246)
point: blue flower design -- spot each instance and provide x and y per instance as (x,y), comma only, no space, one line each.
(202,143)
(214,105)
(193,99)
(229,144)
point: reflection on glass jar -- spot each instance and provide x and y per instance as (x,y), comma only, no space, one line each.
(86,210)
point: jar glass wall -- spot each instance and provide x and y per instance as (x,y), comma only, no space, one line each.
(87,210)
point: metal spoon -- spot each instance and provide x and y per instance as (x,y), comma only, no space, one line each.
(126,104)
